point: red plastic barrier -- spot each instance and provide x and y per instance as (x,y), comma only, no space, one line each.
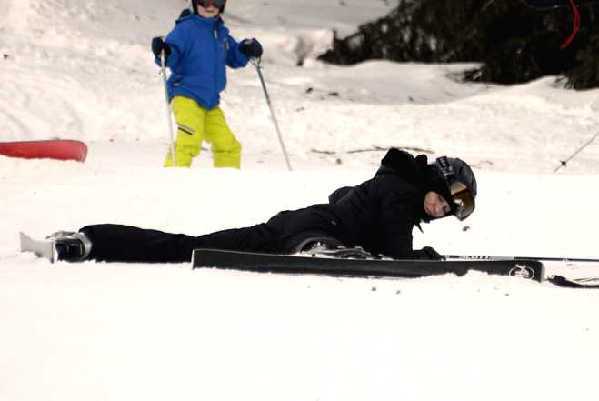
(59,149)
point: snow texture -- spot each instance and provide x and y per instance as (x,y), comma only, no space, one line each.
(83,70)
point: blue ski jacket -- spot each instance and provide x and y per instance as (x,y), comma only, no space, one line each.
(200,49)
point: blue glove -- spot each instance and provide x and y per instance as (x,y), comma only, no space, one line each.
(251,48)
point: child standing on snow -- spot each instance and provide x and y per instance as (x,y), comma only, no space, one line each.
(197,51)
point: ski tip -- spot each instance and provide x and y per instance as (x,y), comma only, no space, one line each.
(583,282)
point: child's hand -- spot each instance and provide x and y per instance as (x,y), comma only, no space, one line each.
(251,48)
(158,46)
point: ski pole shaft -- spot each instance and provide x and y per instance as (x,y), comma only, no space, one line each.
(541,258)
(573,155)
(272,111)
(168,108)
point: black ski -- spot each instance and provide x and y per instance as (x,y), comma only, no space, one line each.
(582,282)
(361,267)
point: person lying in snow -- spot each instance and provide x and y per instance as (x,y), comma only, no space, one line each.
(377,215)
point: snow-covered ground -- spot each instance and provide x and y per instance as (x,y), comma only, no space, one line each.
(83,70)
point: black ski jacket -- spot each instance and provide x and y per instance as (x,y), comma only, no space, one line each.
(378,214)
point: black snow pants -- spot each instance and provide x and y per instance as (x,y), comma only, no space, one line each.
(281,234)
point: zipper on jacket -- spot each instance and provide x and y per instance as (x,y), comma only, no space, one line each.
(216,58)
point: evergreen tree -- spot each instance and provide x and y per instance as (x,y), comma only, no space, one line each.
(514,41)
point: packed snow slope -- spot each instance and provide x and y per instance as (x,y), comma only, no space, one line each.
(83,70)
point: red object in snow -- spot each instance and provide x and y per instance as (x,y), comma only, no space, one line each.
(59,149)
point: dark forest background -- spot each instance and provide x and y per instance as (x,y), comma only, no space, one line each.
(514,41)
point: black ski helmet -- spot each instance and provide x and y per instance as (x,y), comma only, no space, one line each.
(220,4)
(460,185)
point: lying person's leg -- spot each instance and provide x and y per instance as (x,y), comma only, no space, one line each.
(117,243)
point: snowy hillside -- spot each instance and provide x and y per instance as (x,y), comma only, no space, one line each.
(83,70)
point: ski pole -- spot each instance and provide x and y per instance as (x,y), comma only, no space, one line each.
(168,107)
(580,149)
(541,258)
(257,64)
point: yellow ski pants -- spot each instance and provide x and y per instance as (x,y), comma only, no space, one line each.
(195,124)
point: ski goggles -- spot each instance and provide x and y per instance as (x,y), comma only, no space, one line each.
(463,200)
(215,3)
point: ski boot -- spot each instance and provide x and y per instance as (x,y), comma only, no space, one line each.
(70,246)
